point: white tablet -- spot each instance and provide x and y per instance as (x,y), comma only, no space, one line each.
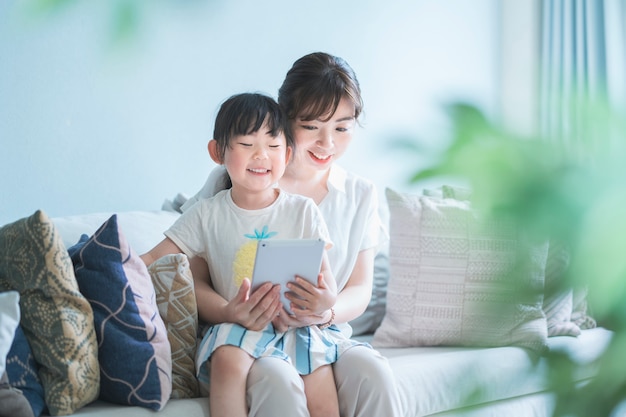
(279,261)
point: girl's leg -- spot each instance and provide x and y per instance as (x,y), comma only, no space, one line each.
(321,392)
(227,390)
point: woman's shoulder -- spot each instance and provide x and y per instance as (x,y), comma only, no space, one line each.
(217,181)
(293,199)
(350,182)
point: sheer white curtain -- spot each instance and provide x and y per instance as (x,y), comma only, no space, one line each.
(583,54)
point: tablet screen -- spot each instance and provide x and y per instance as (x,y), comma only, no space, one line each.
(280,260)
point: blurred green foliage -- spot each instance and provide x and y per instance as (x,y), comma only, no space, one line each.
(123,17)
(124,20)
(572,189)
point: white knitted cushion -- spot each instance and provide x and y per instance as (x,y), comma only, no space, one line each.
(460,280)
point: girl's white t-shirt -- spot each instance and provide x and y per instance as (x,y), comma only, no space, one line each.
(350,210)
(226,236)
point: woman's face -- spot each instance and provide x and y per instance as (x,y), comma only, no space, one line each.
(319,143)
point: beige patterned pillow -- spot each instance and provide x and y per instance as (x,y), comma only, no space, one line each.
(176,301)
(458,280)
(56,318)
(558,301)
(580,313)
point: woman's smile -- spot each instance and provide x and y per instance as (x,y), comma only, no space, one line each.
(322,158)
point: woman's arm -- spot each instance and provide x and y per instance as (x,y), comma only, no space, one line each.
(355,296)
(313,300)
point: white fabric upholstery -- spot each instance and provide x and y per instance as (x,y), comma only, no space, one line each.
(436,379)
(10,313)
(143,229)
(194,407)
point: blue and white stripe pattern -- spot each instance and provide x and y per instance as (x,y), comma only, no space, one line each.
(306,348)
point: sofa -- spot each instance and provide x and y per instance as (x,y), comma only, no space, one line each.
(450,356)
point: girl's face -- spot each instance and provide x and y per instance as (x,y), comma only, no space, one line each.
(319,143)
(255,162)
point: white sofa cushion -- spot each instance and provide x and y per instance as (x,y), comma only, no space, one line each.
(143,229)
(436,379)
(10,313)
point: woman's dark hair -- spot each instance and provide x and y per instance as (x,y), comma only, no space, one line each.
(315,85)
(246,113)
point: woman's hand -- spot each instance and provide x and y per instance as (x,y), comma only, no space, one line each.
(310,304)
(254,311)
(307,299)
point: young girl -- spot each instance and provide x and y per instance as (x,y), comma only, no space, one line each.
(249,140)
(322,98)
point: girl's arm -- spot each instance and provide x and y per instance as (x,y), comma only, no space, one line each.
(252,311)
(165,247)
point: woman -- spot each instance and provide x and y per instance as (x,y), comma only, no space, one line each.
(322,99)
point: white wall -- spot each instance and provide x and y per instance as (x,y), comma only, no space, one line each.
(90,125)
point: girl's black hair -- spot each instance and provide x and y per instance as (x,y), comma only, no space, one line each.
(246,113)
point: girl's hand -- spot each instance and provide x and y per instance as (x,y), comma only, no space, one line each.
(254,311)
(285,321)
(307,299)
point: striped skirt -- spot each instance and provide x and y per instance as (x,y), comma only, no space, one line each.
(306,348)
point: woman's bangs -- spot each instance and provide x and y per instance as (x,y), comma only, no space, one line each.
(321,107)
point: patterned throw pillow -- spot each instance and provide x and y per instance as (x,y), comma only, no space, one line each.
(134,353)
(580,313)
(558,302)
(22,373)
(562,316)
(56,318)
(176,300)
(460,280)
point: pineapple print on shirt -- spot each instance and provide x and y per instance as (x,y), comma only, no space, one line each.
(244,259)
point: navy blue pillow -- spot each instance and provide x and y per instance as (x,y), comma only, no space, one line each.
(22,372)
(133,350)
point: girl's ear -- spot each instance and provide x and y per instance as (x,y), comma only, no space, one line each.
(288,154)
(215,155)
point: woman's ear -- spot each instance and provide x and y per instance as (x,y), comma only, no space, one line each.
(215,155)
